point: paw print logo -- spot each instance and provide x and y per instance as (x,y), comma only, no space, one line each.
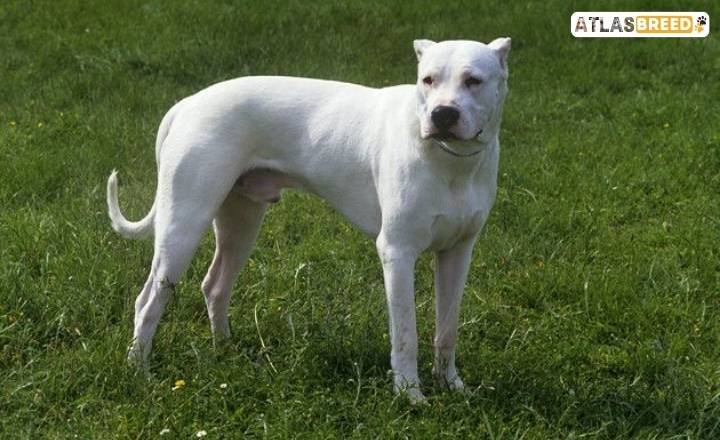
(700,23)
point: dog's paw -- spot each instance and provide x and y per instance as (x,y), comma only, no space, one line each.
(452,383)
(137,358)
(455,384)
(415,396)
(411,390)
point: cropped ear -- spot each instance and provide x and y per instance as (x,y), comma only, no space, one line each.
(501,46)
(420,47)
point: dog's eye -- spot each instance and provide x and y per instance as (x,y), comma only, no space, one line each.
(428,80)
(472,81)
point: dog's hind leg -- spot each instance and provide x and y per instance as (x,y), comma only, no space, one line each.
(236,226)
(186,205)
(173,252)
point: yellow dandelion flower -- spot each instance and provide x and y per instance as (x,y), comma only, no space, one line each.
(179,384)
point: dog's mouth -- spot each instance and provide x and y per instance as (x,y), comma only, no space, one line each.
(446,136)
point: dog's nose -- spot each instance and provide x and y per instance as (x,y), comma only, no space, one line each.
(444,117)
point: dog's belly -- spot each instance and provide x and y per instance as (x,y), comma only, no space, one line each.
(360,207)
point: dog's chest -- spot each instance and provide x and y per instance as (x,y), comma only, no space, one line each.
(458,216)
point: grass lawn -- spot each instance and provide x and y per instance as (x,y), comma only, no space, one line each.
(592,308)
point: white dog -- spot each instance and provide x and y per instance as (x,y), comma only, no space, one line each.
(413,166)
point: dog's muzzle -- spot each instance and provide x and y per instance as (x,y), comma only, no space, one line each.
(444,118)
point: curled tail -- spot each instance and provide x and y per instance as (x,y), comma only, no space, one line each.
(145,227)
(123,226)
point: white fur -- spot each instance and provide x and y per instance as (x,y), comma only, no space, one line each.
(225,152)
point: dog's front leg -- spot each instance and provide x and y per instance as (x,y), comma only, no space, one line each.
(451,270)
(398,268)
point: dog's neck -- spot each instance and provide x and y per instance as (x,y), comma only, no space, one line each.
(458,169)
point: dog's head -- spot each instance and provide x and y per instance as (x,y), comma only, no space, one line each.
(461,88)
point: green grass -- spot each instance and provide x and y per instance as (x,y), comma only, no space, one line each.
(592,308)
